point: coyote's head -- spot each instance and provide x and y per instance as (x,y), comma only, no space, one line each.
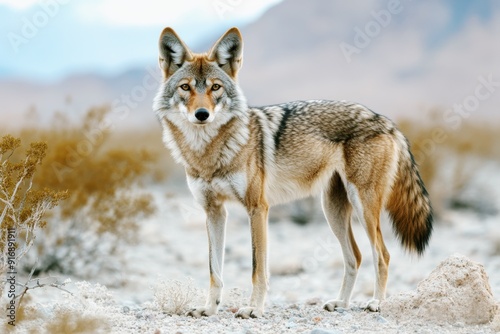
(200,88)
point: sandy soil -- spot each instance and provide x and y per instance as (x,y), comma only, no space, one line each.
(425,295)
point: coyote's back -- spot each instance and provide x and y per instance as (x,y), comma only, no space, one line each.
(310,140)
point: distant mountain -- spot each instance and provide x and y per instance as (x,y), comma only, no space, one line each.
(73,96)
(424,54)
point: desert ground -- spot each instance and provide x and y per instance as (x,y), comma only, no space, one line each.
(453,288)
(127,250)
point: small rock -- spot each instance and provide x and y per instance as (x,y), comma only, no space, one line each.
(381,319)
(213,318)
(357,309)
(125,309)
(316,319)
(340,310)
(346,316)
(324,331)
(313,301)
(458,290)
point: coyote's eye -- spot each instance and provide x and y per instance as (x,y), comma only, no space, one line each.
(215,87)
(185,87)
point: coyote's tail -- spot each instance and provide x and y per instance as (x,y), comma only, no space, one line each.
(408,204)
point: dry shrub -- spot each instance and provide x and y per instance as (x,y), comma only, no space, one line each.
(174,296)
(449,155)
(106,202)
(29,317)
(75,321)
(22,204)
(90,309)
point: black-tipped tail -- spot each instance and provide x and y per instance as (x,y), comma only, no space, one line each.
(408,204)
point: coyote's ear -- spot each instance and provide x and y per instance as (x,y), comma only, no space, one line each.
(228,52)
(173,52)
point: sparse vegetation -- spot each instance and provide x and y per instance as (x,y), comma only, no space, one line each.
(174,296)
(450,156)
(86,312)
(101,180)
(22,205)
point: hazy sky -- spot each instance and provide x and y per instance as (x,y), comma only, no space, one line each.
(433,52)
(49,39)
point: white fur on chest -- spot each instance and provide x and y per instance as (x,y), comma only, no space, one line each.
(232,186)
(198,138)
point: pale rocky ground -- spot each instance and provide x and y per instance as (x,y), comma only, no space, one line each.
(425,295)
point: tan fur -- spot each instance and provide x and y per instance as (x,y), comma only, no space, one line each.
(356,159)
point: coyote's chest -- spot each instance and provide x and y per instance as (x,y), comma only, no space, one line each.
(230,187)
(206,148)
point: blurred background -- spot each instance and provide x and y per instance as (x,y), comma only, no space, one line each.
(81,76)
(401,58)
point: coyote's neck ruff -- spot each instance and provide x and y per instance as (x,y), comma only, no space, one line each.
(356,159)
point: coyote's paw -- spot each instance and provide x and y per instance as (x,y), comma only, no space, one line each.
(249,312)
(373,305)
(333,304)
(203,311)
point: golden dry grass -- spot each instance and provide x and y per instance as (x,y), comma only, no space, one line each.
(98,171)
(22,205)
(439,150)
(103,172)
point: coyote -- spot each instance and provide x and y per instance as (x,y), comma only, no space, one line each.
(261,156)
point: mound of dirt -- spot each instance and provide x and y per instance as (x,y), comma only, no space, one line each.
(457,291)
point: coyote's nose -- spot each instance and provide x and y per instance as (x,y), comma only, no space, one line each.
(202,114)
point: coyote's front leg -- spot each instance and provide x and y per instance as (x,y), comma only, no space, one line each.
(216,228)
(258,226)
